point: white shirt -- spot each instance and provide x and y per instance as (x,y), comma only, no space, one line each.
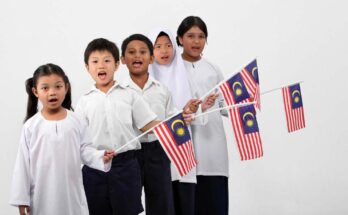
(111,116)
(158,97)
(47,174)
(209,139)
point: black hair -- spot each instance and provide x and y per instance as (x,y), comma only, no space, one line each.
(140,37)
(188,23)
(101,44)
(45,70)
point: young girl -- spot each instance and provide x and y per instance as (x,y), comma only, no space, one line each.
(47,177)
(209,140)
(169,69)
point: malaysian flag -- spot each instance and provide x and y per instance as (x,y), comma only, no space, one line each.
(246,131)
(175,139)
(234,90)
(243,119)
(251,78)
(293,107)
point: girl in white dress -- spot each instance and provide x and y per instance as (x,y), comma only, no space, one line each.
(209,140)
(54,143)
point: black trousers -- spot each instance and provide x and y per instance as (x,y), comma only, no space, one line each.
(211,195)
(156,179)
(117,192)
(184,198)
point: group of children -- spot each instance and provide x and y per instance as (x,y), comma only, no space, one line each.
(55,141)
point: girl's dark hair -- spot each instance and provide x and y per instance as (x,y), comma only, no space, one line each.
(139,37)
(188,23)
(101,44)
(45,70)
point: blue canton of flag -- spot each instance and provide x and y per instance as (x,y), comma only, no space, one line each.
(296,98)
(234,90)
(179,129)
(251,68)
(247,114)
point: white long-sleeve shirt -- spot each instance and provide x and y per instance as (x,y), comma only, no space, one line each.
(47,174)
(209,139)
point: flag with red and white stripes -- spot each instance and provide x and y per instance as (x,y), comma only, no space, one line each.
(293,107)
(243,119)
(246,131)
(251,78)
(175,139)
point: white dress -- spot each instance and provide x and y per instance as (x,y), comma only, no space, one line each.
(209,139)
(47,174)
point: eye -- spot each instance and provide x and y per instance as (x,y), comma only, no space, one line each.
(143,52)
(44,88)
(157,46)
(94,61)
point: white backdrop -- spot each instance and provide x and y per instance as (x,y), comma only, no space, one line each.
(304,173)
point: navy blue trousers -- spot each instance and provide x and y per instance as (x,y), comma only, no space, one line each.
(211,195)
(184,198)
(156,179)
(117,192)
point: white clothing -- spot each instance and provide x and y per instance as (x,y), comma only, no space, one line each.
(210,139)
(47,174)
(158,97)
(110,116)
(174,75)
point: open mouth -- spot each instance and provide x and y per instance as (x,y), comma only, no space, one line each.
(102,75)
(165,57)
(137,63)
(53,100)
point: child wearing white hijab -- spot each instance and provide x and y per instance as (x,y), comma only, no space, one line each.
(169,69)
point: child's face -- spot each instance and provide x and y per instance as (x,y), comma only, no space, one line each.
(193,42)
(51,91)
(163,50)
(137,57)
(102,66)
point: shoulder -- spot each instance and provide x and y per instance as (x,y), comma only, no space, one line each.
(210,65)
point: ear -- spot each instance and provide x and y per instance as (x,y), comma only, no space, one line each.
(34,90)
(117,64)
(87,67)
(180,40)
(123,60)
(152,59)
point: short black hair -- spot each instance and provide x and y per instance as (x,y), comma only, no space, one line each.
(188,23)
(140,37)
(102,44)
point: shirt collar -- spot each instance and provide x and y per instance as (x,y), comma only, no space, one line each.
(150,81)
(116,84)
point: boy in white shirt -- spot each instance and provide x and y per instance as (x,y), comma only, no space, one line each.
(111,110)
(137,54)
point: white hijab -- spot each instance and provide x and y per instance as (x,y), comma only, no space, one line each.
(173,75)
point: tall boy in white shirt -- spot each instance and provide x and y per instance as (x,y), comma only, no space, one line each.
(111,110)
(137,54)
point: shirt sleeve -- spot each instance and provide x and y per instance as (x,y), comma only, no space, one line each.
(90,156)
(141,112)
(220,98)
(20,192)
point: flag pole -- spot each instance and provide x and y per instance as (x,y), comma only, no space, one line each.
(239,69)
(222,108)
(146,132)
(278,88)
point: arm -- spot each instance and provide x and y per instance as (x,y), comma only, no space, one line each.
(20,192)
(24,210)
(90,156)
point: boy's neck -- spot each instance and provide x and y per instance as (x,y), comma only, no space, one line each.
(105,88)
(140,80)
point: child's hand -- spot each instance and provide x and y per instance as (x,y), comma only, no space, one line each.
(108,155)
(24,210)
(209,101)
(188,116)
(193,105)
